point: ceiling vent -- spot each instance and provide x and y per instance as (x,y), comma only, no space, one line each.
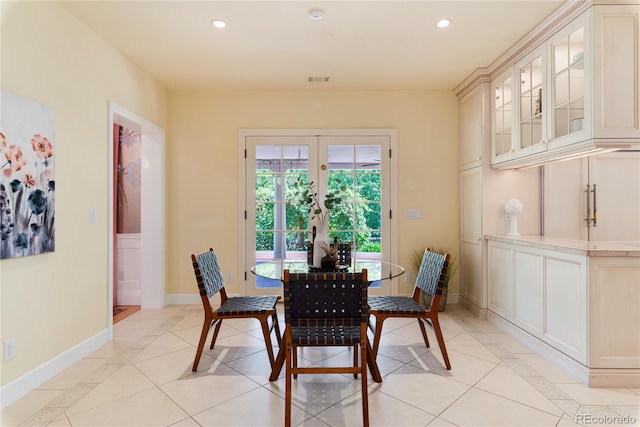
(318,79)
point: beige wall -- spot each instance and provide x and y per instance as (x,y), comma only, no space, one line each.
(50,303)
(202,160)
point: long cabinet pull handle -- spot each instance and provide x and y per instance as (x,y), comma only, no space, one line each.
(588,218)
(595,209)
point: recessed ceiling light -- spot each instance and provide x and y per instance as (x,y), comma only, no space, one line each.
(316,14)
(218,23)
(443,23)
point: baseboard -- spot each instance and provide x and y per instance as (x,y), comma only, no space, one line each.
(453,298)
(470,306)
(32,379)
(182,299)
(592,377)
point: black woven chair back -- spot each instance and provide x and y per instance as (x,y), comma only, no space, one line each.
(321,299)
(344,253)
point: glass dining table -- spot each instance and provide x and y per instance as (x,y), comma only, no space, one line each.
(377,270)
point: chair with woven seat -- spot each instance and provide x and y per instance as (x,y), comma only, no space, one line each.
(430,279)
(325,309)
(210,282)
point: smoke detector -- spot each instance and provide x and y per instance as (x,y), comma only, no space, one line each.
(316,14)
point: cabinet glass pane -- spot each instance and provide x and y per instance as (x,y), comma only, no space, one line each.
(562,88)
(561,121)
(530,128)
(503,117)
(568,83)
(576,46)
(561,56)
(525,135)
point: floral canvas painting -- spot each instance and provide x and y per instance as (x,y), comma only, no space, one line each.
(27,179)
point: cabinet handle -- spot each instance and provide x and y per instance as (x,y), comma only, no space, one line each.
(588,218)
(595,209)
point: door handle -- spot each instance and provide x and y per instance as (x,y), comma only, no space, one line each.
(595,209)
(588,218)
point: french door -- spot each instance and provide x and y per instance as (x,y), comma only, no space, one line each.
(278,224)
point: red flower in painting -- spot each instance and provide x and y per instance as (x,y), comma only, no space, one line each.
(3,141)
(29,180)
(41,146)
(16,160)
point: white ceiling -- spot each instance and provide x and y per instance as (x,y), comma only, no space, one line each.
(360,45)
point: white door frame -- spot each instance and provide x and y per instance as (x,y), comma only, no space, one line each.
(393,202)
(152,209)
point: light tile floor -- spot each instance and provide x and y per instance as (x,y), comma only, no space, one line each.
(143,378)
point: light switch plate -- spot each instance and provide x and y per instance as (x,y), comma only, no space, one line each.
(412,214)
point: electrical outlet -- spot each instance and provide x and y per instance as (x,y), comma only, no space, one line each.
(407,277)
(507,216)
(10,349)
(229,277)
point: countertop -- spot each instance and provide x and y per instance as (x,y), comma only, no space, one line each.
(580,247)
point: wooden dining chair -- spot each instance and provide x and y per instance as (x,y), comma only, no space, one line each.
(325,309)
(430,279)
(210,282)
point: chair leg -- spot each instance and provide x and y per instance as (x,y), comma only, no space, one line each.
(287,393)
(365,386)
(264,321)
(440,338)
(355,360)
(294,358)
(275,325)
(203,338)
(218,323)
(424,332)
(377,334)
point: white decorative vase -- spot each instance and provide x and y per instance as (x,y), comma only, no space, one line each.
(513,226)
(322,236)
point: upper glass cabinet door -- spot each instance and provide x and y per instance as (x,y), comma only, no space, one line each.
(503,115)
(567,54)
(531,93)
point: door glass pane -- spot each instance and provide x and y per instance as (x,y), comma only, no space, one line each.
(280,219)
(357,218)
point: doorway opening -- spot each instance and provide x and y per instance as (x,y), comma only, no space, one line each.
(283,170)
(136,217)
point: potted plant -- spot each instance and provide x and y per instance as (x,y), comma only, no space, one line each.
(416,261)
(306,193)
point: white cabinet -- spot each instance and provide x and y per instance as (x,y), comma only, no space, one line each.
(543,292)
(531,134)
(577,92)
(616,69)
(503,143)
(471,241)
(571,300)
(594,198)
(472,120)
(614,318)
(568,94)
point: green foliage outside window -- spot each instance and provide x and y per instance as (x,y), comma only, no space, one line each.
(344,218)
